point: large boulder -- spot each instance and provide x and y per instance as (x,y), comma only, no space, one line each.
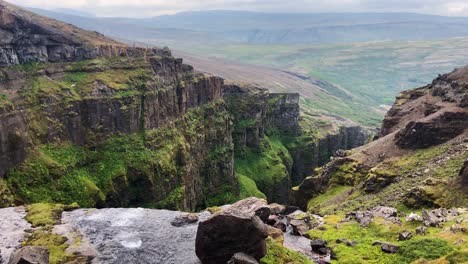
(30,255)
(237,228)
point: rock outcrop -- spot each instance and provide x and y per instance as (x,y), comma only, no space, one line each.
(433,116)
(237,228)
(26,37)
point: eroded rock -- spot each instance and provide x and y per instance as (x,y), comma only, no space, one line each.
(237,228)
(30,255)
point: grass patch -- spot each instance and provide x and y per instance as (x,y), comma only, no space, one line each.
(248,188)
(55,243)
(267,167)
(277,254)
(423,248)
(328,198)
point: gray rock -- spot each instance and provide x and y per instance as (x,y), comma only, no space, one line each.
(242,258)
(319,246)
(276,208)
(389,248)
(12,230)
(235,229)
(434,217)
(414,217)
(421,230)
(363,218)
(185,219)
(386,247)
(405,235)
(30,255)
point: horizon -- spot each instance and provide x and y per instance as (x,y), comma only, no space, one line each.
(154,8)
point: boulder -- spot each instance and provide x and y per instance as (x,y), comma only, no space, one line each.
(185,219)
(276,209)
(237,228)
(385,211)
(434,217)
(421,230)
(30,255)
(242,258)
(405,235)
(276,234)
(386,247)
(301,223)
(319,246)
(414,217)
(363,218)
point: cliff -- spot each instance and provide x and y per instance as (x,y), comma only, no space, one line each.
(417,161)
(26,37)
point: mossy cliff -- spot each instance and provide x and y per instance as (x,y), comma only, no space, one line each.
(117,131)
(273,146)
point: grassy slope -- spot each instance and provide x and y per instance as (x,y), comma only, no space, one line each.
(372,72)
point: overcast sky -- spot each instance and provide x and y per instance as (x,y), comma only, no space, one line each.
(147,8)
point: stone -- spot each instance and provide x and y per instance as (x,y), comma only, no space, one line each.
(319,246)
(30,255)
(434,217)
(185,219)
(346,242)
(421,230)
(272,220)
(385,211)
(242,258)
(405,235)
(276,234)
(363,218)
(281,226)
(414,217)
(276,209)
(389,248)
(386,247)
(234,229)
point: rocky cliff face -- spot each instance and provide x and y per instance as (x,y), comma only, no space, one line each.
(418,157)
(89,104)
(272,148)
(26,37)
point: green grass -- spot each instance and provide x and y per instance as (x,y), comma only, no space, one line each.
(55,243)
(277,254)
(248,188)
(267,166)
(144,166)
(326,198)
(372,73)
(420,247)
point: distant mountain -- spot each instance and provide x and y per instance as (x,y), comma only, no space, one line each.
(279,28)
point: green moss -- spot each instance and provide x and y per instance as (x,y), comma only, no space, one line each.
(245,123)
(145,166)
(225,194)
(277,254)
(248,188)
(349,173)
(423,248)
(6,197)
(329,198)
(55,243)
(46,214)
(174,201)
(267,166)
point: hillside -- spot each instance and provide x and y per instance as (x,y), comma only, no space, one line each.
(359,78)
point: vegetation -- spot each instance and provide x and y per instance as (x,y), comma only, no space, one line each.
(248,188)
(55,243)
(277,254)
(42,214)
(428,247)
(268,166)
(145,164)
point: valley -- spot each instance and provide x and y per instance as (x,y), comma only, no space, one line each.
(257,151)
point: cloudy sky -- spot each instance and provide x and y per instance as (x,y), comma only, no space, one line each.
(147,8)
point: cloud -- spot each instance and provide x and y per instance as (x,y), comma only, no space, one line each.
(143,8)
